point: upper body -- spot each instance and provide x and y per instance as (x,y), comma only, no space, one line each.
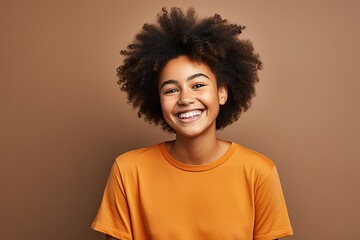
(193,78)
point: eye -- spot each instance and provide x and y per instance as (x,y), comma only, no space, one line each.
(198,85)
(170,91)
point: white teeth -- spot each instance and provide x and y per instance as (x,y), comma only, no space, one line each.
(189,114)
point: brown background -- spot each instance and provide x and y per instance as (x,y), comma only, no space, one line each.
(64,120)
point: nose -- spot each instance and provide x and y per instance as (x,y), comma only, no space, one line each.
(186,98)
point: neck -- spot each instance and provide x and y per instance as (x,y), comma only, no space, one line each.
(197,150)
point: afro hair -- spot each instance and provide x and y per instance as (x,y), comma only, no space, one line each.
(212,41)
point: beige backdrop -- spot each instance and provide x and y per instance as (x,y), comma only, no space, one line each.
(63,118)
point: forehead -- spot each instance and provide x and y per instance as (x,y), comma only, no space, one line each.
(182,67)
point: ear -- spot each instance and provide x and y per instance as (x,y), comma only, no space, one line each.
(223,94)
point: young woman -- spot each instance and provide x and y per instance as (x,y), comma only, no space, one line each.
(192,77)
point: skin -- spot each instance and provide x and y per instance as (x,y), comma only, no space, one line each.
(108,237)
(190,100)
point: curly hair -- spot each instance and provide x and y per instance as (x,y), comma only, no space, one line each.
(212,41)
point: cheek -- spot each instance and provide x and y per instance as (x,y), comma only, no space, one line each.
(211,97)
(165,106)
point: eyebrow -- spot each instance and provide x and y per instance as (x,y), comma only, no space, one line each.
(191,77)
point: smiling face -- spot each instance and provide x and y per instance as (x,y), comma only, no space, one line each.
(189,95)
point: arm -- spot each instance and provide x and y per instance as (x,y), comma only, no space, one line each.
(271,217)
(113,217)
(108,237)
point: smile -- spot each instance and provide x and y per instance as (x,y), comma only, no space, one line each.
(187,115)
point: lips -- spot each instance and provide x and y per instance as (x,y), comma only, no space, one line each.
(189,114)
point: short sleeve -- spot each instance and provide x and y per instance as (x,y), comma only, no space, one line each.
(113,216)
(271,216)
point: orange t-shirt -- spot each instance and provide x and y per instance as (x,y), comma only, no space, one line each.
(150,195)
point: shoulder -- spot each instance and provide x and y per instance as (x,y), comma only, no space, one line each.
(137,157)
(253,157)
(253,161)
